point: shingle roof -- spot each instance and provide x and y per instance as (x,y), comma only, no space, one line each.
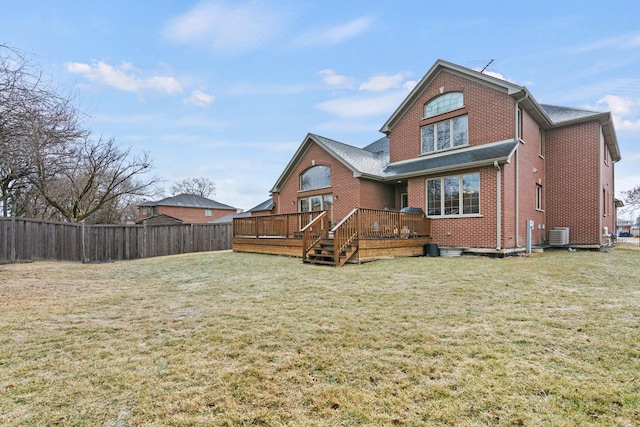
(360,160)
(565,114)
(461,158)
(267,205)
(189,201)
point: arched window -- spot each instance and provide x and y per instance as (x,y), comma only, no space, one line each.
(443,104)
(315,177)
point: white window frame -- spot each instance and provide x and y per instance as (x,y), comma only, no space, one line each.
(539,198)
(452,138)
(443,104)
(460,196)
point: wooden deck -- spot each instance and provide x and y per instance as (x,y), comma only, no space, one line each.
(365,235)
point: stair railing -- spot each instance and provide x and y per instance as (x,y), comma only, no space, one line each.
(313,232)
(345,232)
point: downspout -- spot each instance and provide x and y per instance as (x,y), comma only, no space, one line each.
(601,199)
(517,183)
(498,205)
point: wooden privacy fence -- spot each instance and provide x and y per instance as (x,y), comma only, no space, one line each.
(24,239)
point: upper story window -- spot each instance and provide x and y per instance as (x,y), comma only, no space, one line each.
(443,104)
(445,134)
(315,177)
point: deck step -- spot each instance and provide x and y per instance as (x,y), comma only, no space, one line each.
(324,253)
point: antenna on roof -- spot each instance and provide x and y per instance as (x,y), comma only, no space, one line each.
(485,67)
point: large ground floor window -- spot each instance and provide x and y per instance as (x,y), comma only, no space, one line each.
(322,202)
(454,195)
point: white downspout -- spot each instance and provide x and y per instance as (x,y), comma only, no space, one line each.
(498,206)
(517,171)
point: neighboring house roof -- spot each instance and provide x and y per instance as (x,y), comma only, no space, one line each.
(228,219)
(267,205)
(189,201)
(160,219)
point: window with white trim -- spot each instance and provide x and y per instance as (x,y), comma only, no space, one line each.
(315,177)
(320,202)
(539,205)
(208,212)
(445,135)
(454,195)
(443,104)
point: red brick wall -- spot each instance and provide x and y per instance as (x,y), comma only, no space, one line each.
(573,186)
(531,171)
(477,232)
(496,123)
(193,215)
(342,183)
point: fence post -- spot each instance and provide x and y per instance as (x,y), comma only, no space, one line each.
(83,249)
(12,240)
(144,240)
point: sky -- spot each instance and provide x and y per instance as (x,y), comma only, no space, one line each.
(228,90)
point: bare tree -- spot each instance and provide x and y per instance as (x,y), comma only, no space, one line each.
(34,121)
(199,186)
(91,176)
(50,167)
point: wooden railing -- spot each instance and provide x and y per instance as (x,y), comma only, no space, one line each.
(313,232)
(282,225)
(381,223)
(346,231)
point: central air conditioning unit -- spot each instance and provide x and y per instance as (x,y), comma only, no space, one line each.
(559,236)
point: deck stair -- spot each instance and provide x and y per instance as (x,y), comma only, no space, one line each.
(324,253)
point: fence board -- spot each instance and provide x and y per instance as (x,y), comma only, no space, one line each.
(23,239)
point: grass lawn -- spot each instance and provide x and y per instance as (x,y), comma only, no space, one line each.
(230,339)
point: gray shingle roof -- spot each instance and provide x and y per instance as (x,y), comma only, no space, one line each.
(566,114)
(456,159)
(267,205)
(189,201)
(361,160)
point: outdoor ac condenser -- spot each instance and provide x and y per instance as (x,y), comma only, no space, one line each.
(559,236)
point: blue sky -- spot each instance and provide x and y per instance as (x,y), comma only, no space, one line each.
(227,90)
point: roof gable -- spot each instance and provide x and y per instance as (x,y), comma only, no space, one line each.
(369,161)
(438,67)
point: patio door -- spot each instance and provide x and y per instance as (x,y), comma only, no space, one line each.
(318,203)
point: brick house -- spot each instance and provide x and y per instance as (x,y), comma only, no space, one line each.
(480,156)
(186,208)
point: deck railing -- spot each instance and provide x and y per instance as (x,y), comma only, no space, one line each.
(383,223)
(281,225)
(313,232)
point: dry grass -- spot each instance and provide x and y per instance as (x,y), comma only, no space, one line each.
(241,339)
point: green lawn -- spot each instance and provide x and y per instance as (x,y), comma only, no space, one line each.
(233,339)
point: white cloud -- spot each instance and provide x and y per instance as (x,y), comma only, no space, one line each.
(625,111)
(229,28)
(335,35)
(123,77)
(332,79)
(363,106)
(199,99)
(382,83)
(624,41)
